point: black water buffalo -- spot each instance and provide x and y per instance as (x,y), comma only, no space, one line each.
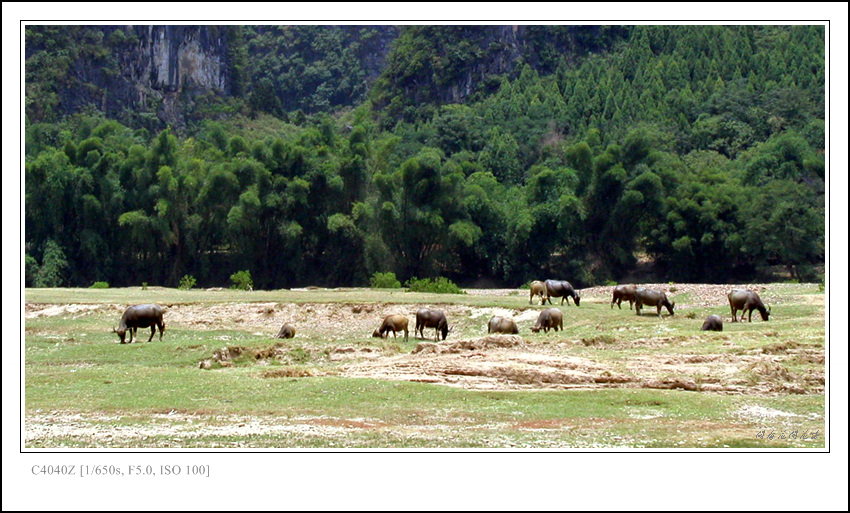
(712,323)
(286,331)
(652,297)
(502,325)
(538,288)
(141,316)
(392,323)
(561,289)
(549,318)
(623,293)
(746,301)
(426,318)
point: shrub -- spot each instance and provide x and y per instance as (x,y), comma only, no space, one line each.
(384,281)
(144,285)
(99,285)
(438,285)
(30,270)
(51,273)
(187,282)
(242,280)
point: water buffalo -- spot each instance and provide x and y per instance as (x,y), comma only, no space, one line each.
(141,316)
(426,318)
(392,323)
(623,293)
(502,325)
(538,288)
(652,297)
(549,318)
(286,331)
(561,289)
(746,301)
(712,323)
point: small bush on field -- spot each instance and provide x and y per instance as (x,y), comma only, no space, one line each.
(526,285)
(241,280)
(99,285)
(144,285)
(439,285)
(598,340)
(691,315)
(299,355)
(187,282)
(384,281)
(821,286)
(611,283)
(290,372)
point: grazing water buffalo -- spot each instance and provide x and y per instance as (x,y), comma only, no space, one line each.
(286,331)
(502,325)
(141,316)
(561,289)
(549,318)
(426,318)
(746,301)
(712,323)
(538,288)
(392,323)
(624,293)
(652,297)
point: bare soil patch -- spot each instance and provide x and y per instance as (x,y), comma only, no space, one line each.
(509,362)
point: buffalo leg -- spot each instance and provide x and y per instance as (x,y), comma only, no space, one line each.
(631,303)
(153,332)
(132,332)
(659,310)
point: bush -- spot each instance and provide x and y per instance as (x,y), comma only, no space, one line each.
(242,280)
(187,282)
(99,285)
(384,281)
(51,273)
(439,285)
(144,285)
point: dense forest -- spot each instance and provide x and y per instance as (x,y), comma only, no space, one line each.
(320,155)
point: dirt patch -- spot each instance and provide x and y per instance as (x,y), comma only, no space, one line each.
(489,342)
(511,363)
(499,362)
(35,310)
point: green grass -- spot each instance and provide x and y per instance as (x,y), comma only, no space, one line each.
(74,365)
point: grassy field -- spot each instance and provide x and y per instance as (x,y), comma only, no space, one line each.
(610,379)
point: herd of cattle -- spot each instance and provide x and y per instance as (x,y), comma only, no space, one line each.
(150,316)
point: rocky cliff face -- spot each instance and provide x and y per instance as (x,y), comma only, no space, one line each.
(169,63)
(125,70)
